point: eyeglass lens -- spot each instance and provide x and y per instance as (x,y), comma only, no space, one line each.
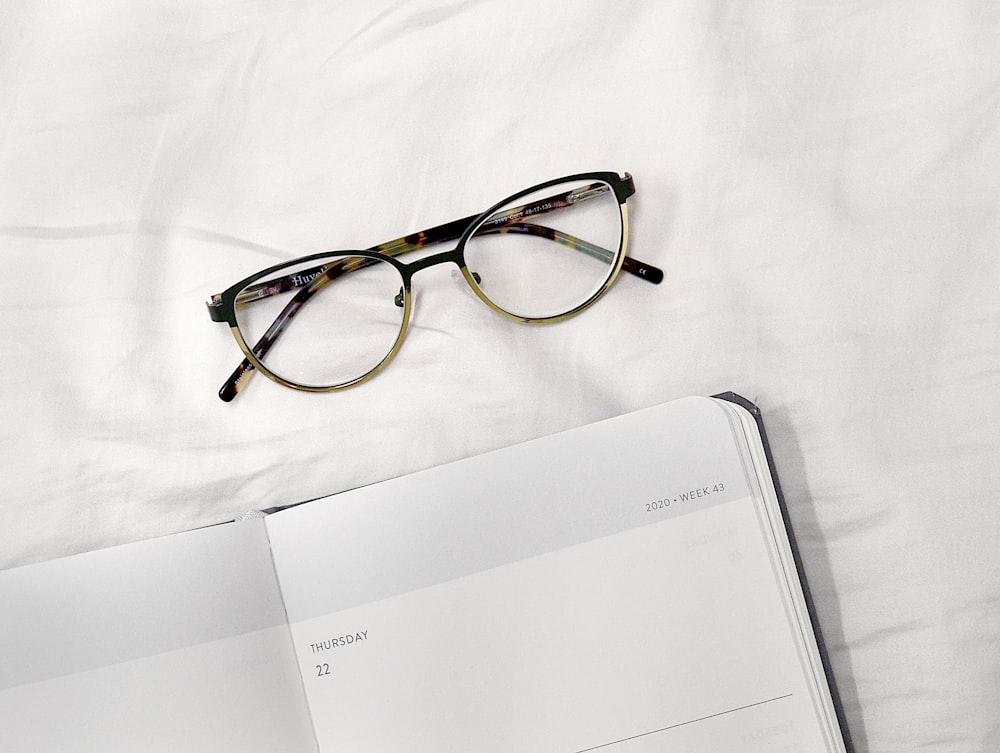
(331,330)
(545,253)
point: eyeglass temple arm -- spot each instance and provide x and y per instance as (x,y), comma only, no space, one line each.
(450,231)
(633,266)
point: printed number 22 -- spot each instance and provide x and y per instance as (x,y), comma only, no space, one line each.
(322,669)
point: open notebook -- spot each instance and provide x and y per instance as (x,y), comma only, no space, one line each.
(626,586)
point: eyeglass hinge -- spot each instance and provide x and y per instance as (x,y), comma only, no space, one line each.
(214,307)
(586,193)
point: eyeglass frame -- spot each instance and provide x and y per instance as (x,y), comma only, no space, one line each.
(222,306)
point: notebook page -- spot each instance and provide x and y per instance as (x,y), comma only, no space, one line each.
(609,588)
(174,644)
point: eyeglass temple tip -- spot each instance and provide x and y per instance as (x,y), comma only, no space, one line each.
(641,269)
(236,381)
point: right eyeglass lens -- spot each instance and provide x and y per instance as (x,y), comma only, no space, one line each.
(548,252)
(326,322)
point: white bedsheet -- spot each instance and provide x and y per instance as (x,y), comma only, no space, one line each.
(819,181)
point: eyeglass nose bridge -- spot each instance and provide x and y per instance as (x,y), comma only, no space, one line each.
(443,257)
(408,269)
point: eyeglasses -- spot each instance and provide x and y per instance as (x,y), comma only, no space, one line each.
(301,331)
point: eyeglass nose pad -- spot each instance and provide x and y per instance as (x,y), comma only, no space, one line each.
(457,275)
(398,300)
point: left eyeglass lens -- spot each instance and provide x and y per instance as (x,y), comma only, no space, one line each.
(326,322)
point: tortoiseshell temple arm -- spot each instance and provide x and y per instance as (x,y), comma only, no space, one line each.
(633,266)
(452,231)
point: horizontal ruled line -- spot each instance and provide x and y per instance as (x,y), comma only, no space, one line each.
(682,724)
